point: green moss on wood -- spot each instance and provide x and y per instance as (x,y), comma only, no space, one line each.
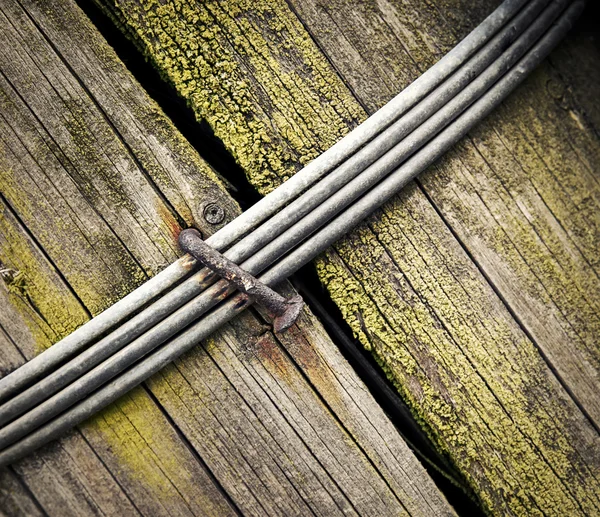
(132,429)
(477,384)
(50,311)
(275,110)
(145,445)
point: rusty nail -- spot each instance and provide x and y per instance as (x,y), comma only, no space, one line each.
(284,311)
(213,213)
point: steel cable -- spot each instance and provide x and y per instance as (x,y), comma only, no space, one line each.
(247,221)
(321,194)
(347,183)
(303,253)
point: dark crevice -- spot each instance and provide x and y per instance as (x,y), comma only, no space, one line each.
(202,138)
(198,133)
(445,477)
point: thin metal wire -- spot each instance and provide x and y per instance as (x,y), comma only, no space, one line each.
(133,302)
(291,214)
(305,252)
(322,192)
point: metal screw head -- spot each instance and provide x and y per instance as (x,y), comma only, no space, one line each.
(213,213)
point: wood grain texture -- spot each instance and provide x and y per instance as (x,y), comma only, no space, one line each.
(477,289)
(522,196)
(95,183)
(128,460)
(15,501)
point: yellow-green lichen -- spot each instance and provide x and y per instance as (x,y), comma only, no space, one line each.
(50,309)
(253,73)
(144,444)
(45,226)
(476,383)
(150,450)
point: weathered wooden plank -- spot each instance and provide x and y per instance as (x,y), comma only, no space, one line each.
(354,407)
(15,501)
(521,196)
(480,385)
(55,480)
(89,173)
(153,470)
(230,407)
(128,460)
(526,206)
(258,368)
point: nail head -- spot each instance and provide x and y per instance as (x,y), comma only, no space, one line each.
(213,213)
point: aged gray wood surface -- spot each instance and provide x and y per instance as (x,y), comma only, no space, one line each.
(532,227)
(95,184)
(477,288)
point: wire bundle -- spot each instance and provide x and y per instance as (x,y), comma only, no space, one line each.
(173,311)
